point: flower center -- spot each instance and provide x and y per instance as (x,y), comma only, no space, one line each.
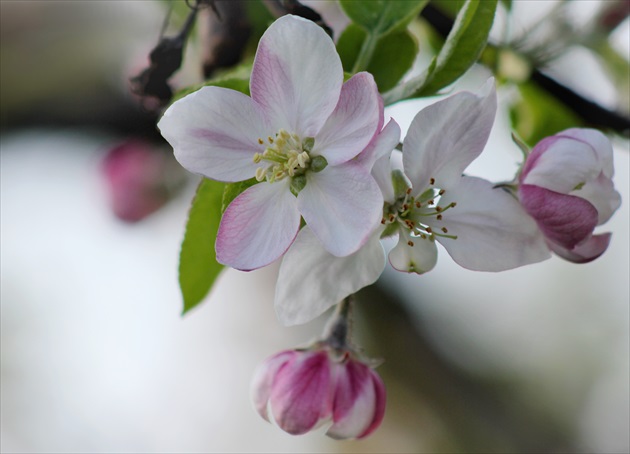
(286,155)
(412,213)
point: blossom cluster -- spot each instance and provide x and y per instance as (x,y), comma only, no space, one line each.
(328,191)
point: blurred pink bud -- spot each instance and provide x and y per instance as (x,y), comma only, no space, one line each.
(300,390)
(566,186)
(140,179)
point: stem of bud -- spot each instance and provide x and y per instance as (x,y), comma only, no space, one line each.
(337,332)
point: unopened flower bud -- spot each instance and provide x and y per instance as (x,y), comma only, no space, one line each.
(566,186)
(300,390)
(140,179)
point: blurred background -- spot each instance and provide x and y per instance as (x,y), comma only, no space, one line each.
(95,356)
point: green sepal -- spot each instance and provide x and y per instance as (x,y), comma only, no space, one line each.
(318,163)
(390,230)
(298,183)
(400,183)
(308,144)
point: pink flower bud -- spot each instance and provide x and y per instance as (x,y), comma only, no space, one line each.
(301,390)
(140,179)
(566,186)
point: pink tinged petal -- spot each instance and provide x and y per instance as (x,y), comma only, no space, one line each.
(359,404)
(311,280)
(302,393)
(560,164)
(601,193)
(563,219)
(264,377)
(381,145)
(598,141)
(214,132)
(376,157)
(413,255)
(353,123)
(494,233)
(258,226)
(585,252)
(342,205)
(382,174)
(444,138)
(297,75)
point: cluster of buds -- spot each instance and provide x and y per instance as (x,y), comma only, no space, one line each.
(301,390)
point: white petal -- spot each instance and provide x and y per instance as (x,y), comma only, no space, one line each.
(297,75)
(264,376)
(413,255)
(353,123)
(444,138)
(258,226)
(494,233)
(342,205)
(600,143)
(214,132)
(560,164)
(602,195)
(311,280)
(377,158)
(382,145)
(382,173)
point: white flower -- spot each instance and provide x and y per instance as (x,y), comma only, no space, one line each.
(483,228)
(298,135)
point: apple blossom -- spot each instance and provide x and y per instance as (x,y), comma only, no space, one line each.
(566,186)
(307,263)
(297,135)
(483,228)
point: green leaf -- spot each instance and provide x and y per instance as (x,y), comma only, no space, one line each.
(393,57)
(232,83)
(460,51)
(233,190)
(198,267)
(349,45)
(393,54)
(236,78)
(382,16)
(378,18)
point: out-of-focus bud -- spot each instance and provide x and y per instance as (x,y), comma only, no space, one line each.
(611,13)
(300,390)
(140,179)
(566,186)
